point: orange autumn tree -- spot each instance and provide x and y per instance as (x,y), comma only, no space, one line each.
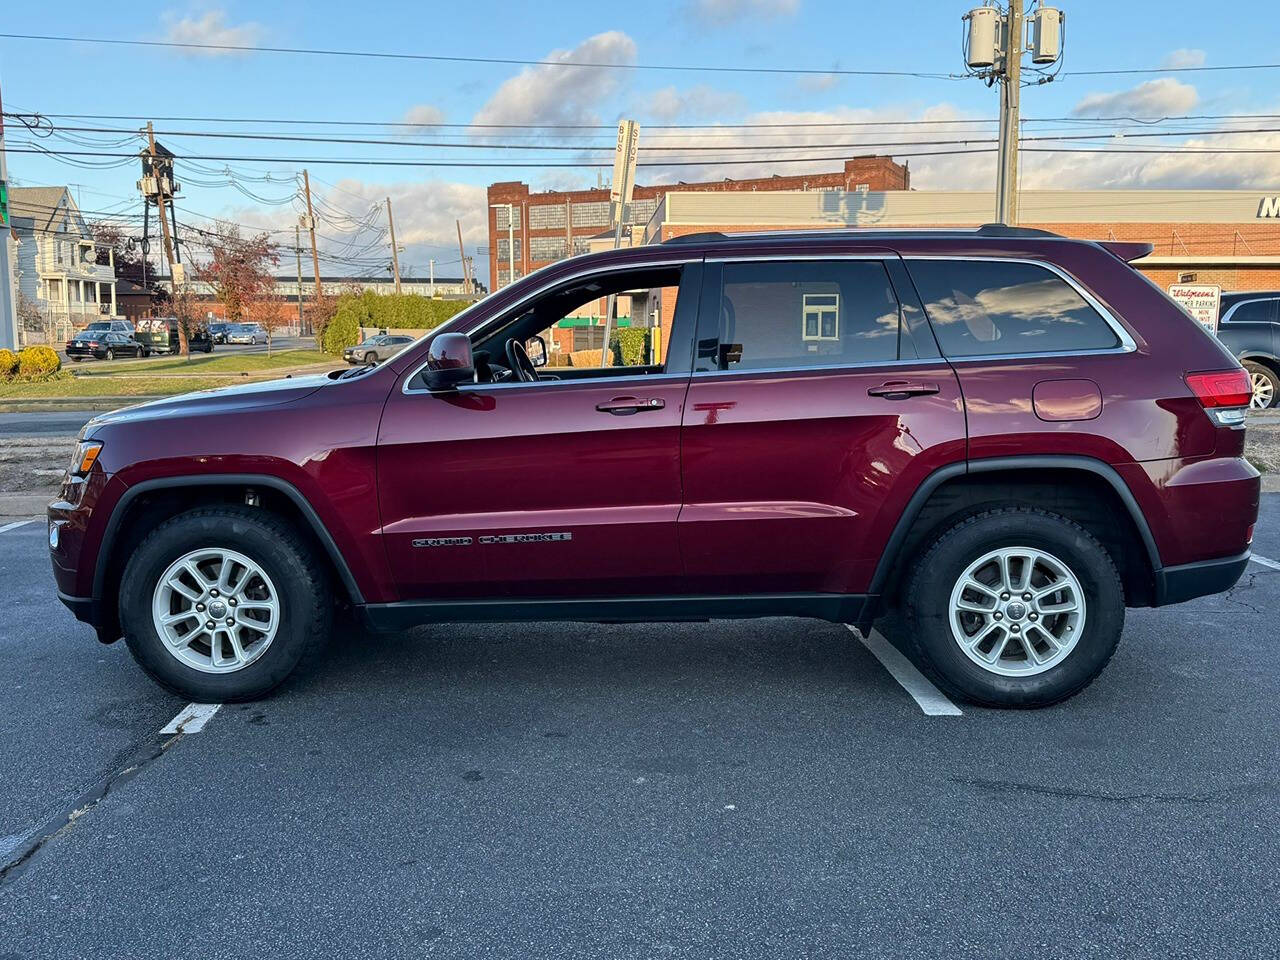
(240,271)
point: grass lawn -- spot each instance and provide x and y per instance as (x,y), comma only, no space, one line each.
(167,376)
(199,363)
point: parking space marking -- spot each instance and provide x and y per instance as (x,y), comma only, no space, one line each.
(1265,562)
(191,718)
(17,523)
(932,701)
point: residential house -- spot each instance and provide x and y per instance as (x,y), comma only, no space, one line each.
(57,266)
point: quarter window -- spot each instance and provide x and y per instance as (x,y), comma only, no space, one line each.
(805,313)
(1255,311)
(984,308)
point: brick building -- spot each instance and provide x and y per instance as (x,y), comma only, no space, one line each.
(549,226)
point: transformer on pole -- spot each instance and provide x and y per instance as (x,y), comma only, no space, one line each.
(994,44)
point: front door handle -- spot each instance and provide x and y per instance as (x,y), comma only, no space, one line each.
(902,389)
(625,406)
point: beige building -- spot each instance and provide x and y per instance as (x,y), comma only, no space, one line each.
(1228,237)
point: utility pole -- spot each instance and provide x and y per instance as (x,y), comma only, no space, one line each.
(311,229)
(432,266)
(624,182)
(462,253)
(297,254)
(8,291)
(395,254)
(994,48)
(157,183)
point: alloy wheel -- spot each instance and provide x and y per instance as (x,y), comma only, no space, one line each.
(1017,611)
(215,610)
(1264,391)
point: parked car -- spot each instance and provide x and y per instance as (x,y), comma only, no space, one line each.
(1002,438)
(377,348)
(104,345)
(218,332)
(112,326)
(1249,326)
(245,333)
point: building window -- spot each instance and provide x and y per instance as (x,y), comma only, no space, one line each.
(594,214)
(642,211)
(820,318)
(504,249)
(546,248)
(546,216)
(504,276)
(502,217)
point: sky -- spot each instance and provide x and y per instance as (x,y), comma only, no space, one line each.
(361,98)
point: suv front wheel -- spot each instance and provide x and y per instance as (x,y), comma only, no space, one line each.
(222,604)
(1015,607)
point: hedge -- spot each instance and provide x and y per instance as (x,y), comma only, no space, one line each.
(399,311)
(630,347)
(29,363)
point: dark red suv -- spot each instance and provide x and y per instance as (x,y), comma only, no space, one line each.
(1005,435)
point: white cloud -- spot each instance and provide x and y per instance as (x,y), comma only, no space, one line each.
(561,95)
(697,103)
(1162,97)
(1184,57)
(423,113)
(731,11)
(212,28)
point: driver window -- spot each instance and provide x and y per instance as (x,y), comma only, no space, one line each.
(563,332)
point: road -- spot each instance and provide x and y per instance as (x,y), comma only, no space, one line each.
(279,343)
(753,789)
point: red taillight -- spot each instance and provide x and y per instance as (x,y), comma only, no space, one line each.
(1221,388)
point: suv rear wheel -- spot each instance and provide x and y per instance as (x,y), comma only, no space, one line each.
(1265,384)
(222,604)
(1015,607)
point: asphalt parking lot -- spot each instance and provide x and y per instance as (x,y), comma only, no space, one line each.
(753,789)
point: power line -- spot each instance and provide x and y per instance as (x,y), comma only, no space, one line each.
(502,61)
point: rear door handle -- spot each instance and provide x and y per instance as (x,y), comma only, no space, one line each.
(902,389)
(625,406)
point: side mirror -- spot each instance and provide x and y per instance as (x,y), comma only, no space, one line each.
(449,362)
(536,348)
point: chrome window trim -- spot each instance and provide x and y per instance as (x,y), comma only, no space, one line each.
(1226,317)
(577,275)
(508,384)
(824,368)
(1127,343)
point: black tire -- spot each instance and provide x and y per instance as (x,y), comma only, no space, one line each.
(109,355)
(928,602)
(268,540)
(371,359)
(1259,371)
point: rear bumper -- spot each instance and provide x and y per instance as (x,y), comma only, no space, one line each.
(1200,579)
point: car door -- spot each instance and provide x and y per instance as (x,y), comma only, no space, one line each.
(1249,327)
(817,405)
(563,488)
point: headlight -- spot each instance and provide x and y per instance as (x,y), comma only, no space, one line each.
(86,456)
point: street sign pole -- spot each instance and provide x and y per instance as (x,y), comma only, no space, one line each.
(624,182)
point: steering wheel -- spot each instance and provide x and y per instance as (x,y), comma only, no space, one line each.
(518,359)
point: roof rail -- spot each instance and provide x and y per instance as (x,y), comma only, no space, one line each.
(1004,230)
(697,237)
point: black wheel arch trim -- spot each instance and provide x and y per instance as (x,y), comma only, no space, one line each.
(889,557)
(224,480)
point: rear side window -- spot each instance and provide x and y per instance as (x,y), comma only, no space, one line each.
(981,308)
(1255,310)
(805,313)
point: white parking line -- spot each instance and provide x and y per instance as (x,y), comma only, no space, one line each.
(17,523)
(932,701)
(191,718)
(1265,562)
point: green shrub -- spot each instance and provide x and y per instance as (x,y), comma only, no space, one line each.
(8,364)
(630,347)
(344,329)
(38,363)
(404,311)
